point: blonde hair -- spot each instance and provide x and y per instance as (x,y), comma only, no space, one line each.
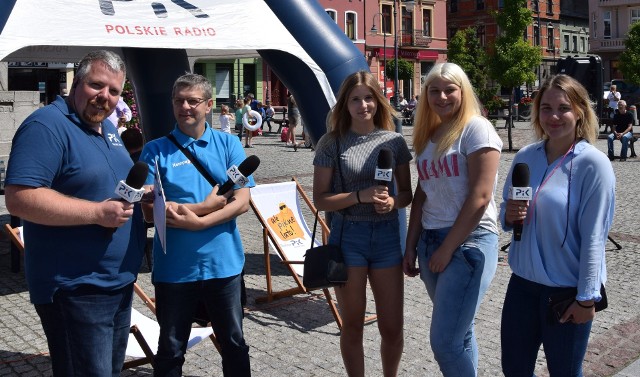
(587,121)
(224,109)
(340,119)
(427,121)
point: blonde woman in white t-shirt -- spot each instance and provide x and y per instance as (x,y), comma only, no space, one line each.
(453,229)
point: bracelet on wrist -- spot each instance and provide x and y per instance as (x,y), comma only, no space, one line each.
(586,306)
(358,197)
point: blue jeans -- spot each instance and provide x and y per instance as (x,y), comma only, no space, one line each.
(625,144)
(456,294)
(87,330)
(526,325)
(176,305)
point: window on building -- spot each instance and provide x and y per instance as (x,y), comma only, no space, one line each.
(565,44)
(333,14)
(606,20)
(453,6)
(386,18)
(407,21)
(350,25)
(479,4)
(536,35)
(551,44)
(549,6)
(452,32)
(481,34)
(426,22)
(594,28)
(583,44)
(575,43)
(536,5)
(635,15)
(500,4)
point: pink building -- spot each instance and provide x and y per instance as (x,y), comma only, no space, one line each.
(420,39)
(610,21)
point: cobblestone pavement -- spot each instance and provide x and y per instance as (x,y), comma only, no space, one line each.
(298,336)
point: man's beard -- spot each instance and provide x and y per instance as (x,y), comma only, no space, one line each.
(100,115)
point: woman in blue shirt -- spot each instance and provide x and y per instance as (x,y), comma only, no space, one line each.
(565,227)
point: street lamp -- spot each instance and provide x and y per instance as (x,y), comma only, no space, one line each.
(374,31)
(539,41)
(396,89)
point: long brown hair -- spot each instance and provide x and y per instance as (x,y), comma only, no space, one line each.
(340,119)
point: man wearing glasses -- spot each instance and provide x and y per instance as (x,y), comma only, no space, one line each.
(623,131)
(203,255)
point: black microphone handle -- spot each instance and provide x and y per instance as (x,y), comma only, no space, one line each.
(225,187)
(517,230)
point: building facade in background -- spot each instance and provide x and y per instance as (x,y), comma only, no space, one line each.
(610,21)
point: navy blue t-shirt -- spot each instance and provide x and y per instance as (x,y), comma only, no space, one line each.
(54,149)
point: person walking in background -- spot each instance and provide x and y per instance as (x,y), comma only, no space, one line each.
(564,231)
(238,116)
(613,97)
(225,119)
(269,112)
(83,252)
(248,135)
(365,215)
(203,256)
(453,229)
(623,131)
(294,120)
(121,114)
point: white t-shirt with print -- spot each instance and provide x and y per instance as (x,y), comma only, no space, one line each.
(444,179)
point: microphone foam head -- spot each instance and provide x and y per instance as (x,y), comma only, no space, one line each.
(137,175)
(385,158)
(520,175)
(249,165)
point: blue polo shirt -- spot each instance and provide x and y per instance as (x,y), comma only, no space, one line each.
(210,253)
(53,148)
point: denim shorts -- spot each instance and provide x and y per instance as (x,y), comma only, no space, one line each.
(374,244)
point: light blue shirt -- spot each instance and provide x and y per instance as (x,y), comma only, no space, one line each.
(215,252)
(566,228)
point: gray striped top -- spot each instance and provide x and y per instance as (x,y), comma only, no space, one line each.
(358,160)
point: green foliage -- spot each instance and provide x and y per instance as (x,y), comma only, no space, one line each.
(513,61)
(630,57)
(494,103)
(405,69)
(465,50)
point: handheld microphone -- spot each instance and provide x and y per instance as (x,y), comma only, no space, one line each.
(520,190)
(131,189)
(238,174)
(384,172)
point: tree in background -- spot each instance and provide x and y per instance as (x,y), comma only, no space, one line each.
(630,57)
(512,60)
(405,69)
(464,49)
(128,96)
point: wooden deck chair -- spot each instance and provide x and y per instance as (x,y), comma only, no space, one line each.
(277,207)
(16,236)
(144,333)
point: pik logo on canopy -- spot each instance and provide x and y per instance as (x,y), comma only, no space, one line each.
(107,8)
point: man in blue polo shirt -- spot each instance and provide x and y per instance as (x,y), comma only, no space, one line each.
(203,255)
(83,250)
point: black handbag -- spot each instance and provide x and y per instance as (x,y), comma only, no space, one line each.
(559,302)
(323,265)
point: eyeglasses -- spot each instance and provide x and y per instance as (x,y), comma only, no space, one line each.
(192,102)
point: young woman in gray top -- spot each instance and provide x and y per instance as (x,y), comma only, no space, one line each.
(365,212)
